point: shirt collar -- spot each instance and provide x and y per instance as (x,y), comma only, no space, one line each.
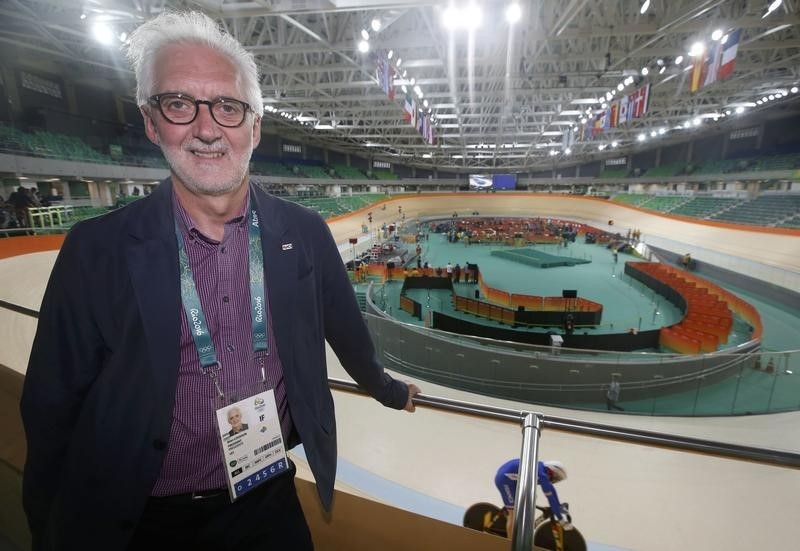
(188,226)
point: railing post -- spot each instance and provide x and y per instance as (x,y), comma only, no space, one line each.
(525,500)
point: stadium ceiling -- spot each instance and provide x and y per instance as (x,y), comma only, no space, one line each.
(503,96)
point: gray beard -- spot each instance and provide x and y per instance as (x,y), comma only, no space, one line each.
(205,188)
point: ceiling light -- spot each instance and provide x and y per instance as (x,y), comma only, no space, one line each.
(727,111)
(614,144)
(609,95)
(400,62)
(364,34)
(473,16)
(412,81)
(375,24)
(641,137)
(661,71)
(363,46)
(662,131)
(102,33)
(716,35)
(390,54)
(513,13)
(653,133)
(645,70)
(771,97)
(450,17)
(601,147)
(772,7)
(628,80)
(697,49)
(793,90)
(739,110)
(604,105)
(568,151)
(425,103)
(679,60)
(644,7)
(698,121)
(759,102)
(620,86)
(764,99)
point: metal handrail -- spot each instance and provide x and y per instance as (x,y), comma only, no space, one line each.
(532,423)
(525,500)
(725,450)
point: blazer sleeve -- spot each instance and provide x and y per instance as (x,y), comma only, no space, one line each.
(347,332)
(64,361)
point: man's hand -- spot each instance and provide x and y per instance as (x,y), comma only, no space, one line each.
(413,390)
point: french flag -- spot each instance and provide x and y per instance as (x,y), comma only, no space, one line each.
(728,59)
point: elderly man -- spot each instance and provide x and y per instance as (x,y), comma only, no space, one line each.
(160,316)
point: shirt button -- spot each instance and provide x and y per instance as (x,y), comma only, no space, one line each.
(229,348)
(226,298)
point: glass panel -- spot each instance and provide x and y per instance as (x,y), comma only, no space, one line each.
(650,384)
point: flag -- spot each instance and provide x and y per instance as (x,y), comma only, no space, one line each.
(385,75)
(569,139)
(637,102)
(623,110)
(410,108)
(728,58)
(428,136)
(615,114)
(696,79)
(597,125)
(712,64)
(607,119)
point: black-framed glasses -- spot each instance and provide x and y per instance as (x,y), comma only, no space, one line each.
(183,109)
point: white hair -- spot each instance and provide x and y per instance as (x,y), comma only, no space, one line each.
(171,27)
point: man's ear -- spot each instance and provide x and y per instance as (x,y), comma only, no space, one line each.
(149,125)
(256,131)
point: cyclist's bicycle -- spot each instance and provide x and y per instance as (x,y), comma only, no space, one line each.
(547,531)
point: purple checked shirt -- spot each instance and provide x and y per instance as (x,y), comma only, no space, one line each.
(221,272)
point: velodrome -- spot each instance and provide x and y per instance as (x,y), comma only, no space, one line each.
(537,101)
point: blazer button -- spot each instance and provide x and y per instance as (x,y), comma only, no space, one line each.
(159,444)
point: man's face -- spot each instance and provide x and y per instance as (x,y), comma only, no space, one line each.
(203,156)
(235,418)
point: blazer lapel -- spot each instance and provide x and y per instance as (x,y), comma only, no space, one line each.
(152,255)
(280,272)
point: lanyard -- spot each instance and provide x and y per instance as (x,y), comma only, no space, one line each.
(198,326)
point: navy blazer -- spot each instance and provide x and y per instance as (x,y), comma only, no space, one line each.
(100,387)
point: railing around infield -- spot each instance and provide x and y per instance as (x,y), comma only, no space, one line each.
(740,381)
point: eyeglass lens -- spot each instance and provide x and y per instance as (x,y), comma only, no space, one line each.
(182,109)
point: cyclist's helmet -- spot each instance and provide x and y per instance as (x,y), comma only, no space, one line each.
(556,470)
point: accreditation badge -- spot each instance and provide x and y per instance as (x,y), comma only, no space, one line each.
(252,444)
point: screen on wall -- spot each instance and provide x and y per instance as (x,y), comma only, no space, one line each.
(504,181)
(480,181)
